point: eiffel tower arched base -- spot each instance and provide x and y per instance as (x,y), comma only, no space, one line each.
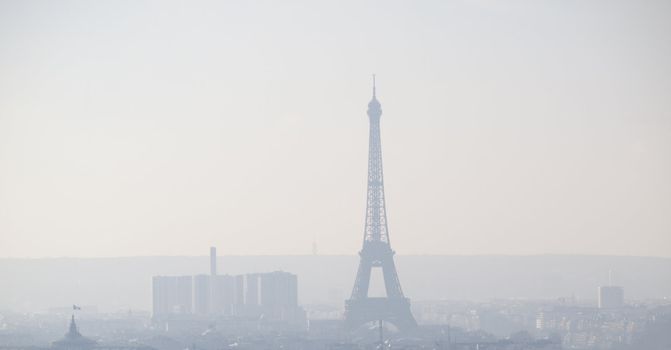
(394,310)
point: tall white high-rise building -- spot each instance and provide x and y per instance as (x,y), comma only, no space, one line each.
(252,289)
(611,297)
(172,295)
(201,294)
(223,295)
(279,289)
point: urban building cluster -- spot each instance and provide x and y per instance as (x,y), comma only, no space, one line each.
(605,322)
(271,296)
(565,323)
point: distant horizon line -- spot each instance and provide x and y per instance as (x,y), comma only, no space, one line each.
(338,255)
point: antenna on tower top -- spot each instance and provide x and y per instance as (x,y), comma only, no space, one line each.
(373,85)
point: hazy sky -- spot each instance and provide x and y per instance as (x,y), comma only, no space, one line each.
(509,127)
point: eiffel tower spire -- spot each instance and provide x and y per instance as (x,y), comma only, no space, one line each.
(376,212)
(373,86)
(376,251)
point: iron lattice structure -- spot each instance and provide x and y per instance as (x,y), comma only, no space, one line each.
(376,251)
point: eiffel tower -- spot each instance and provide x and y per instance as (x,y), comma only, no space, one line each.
(376,251)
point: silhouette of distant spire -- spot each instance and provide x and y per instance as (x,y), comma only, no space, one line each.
(73,340)
(73,327)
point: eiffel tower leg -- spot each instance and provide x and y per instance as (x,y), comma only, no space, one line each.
(394,310)
(362,282)
(391,282)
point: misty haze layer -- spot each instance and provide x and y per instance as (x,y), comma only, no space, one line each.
(39,284)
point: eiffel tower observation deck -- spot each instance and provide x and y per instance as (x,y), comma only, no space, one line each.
(376,252)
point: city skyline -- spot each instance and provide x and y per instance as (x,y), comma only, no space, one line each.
(526,185)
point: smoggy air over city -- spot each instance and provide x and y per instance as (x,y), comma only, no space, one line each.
(344,175)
